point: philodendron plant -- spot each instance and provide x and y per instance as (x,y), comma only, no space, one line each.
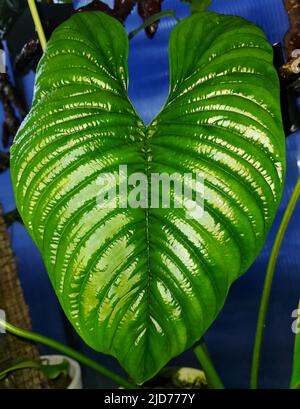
(144,283)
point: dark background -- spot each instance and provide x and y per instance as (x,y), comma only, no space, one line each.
(230,338)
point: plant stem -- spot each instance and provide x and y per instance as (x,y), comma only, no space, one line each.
(199,5)
(151,20)
(51,371)
(21,365)
(207,365)
(33,336)
(37,23)
(268,284)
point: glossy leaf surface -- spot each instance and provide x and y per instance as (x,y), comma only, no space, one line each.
(144,284)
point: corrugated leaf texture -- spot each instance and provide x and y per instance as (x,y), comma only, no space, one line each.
(144,284)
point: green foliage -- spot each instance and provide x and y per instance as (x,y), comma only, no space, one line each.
(145,284)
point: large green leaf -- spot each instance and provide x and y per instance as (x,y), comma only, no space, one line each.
(144,284)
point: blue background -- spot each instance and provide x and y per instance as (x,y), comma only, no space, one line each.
(230,338)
